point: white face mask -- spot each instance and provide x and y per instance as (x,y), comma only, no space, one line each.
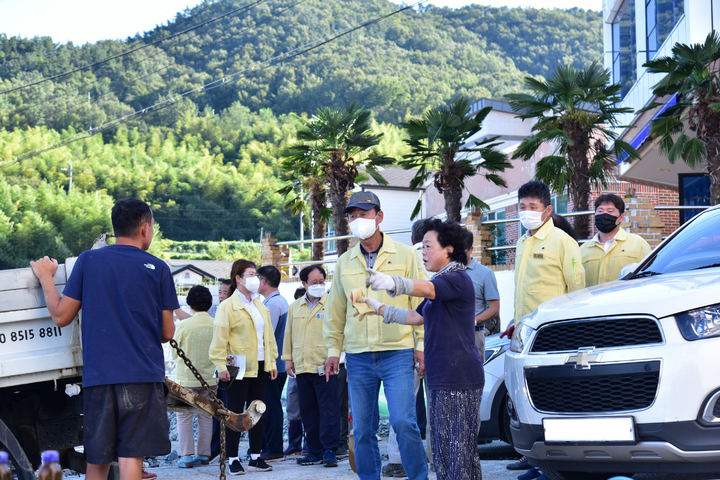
(531,220)
(252,284)
(363,228)
(316,291)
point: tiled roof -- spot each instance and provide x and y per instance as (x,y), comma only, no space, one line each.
(397,177)
(218,268)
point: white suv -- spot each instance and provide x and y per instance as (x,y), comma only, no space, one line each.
(624,377)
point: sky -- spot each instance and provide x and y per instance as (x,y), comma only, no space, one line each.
(82,21)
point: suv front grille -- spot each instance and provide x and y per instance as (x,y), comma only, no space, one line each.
(598,333)
(602,388)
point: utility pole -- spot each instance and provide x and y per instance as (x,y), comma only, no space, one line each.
(70,183)
(302,228)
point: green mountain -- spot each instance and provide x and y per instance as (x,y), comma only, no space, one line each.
(208,164)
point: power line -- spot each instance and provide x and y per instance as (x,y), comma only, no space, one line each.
(80,101)
(127,52)
(234,77)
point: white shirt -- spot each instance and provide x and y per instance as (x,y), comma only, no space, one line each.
(257,319)
(605,245)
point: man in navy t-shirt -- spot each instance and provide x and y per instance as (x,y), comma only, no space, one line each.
(127,297)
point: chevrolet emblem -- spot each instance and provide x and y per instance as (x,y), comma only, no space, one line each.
(583,358)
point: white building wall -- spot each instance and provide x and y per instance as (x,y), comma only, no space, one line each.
(397,206)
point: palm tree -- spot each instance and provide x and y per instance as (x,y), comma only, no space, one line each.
(303,170)
(339,141)
(575,111)
(437,144)
(692,75)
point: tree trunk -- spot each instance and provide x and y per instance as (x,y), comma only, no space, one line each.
(319,224)
(339,200)
(453,201)
(580,182)
(710,137)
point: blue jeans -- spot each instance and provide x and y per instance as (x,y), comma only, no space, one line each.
(395,369)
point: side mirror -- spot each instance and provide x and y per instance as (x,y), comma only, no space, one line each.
(627,270)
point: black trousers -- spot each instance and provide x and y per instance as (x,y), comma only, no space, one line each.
(273,436)
(320,412)
(344,405)
(241,393)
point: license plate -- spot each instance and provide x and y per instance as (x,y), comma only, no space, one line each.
(33,335)
(589,430)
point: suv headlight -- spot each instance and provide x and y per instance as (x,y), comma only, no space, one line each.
(520,337)
(700,323)
(494,352)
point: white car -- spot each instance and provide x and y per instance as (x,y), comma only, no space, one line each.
(624,377)
(495,420)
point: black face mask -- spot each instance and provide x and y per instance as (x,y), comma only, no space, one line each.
(606,222)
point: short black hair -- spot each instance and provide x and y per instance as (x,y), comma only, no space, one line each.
(562,223)
(199,298)
(449,234)
(416,231)
(271,274)
(227,281)
(611,198)
(305,272)
(128,216)
(299,292)
(469,239)
(535,189)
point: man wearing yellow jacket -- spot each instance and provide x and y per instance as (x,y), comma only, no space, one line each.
(376,352)
(612,248)
(547,260)
(304,352)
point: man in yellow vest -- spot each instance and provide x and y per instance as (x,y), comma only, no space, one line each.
(547,260)
(612,248)
(375,351)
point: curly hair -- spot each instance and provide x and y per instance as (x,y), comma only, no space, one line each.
(199,298)
(449,234)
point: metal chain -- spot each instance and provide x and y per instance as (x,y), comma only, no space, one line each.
(222,411)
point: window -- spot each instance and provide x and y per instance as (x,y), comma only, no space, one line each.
(498,257)
(624,48)
(559,203)
(661,16)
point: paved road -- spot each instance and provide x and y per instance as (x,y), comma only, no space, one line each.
(494,458)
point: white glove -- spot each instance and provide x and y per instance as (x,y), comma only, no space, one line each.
(370,302)
(379,281)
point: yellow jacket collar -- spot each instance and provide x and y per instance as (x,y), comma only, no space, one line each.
(621,236)
(545,229)
(238,304)
(388,246)
(322,301)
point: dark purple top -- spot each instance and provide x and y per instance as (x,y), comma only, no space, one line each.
(452,361)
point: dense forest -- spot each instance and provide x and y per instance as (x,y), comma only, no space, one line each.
(209,164)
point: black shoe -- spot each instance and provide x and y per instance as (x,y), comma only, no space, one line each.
(271,457)
(343,451)
(521,464)
(259,465)
(236,468)
(329,459)
(393,470)
(310,459)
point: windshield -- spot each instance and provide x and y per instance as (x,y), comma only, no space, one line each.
(696,246)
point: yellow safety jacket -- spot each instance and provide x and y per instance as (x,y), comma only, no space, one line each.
(371,335)
(304,344)
(234,334)
(547,265)
(601,266)
(193,336)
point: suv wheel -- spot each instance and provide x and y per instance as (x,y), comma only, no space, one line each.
(567,475)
